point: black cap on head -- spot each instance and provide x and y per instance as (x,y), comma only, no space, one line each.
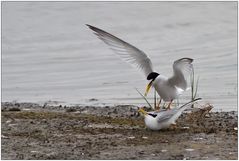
(152,76)
(152,114)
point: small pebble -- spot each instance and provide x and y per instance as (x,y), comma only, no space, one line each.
(189,150)
(164,150)
(8,121)
(34,151)
(144,137)
(164,141)
(11,125)
(235,128)
(198,139)
(131,137)
(207,116)
(26,109)
(141,152)
(185,127)
(4,137)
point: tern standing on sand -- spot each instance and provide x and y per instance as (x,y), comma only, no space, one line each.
(167,88)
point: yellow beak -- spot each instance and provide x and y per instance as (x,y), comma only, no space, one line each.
(148,88)
(141,110)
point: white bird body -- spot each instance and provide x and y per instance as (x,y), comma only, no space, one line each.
(152,123)
(167,88)
(164,89)
(156,123)
(156,120)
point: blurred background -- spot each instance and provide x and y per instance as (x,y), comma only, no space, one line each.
(48,54)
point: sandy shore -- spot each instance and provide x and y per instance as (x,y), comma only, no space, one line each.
(31,131)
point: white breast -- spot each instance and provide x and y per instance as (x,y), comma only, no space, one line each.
(153,124)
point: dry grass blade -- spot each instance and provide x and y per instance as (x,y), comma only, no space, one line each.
(144,98)
(155,99)
(194,88)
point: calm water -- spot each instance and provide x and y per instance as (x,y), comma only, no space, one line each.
(49,54)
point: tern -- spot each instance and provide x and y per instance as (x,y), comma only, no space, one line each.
(156,120)
(167,88)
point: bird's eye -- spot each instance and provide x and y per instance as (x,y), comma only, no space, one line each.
(152,114)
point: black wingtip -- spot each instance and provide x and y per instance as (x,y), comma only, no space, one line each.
(95,28)
(92,27)
(89,26)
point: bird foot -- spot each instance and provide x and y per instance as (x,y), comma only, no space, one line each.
(157,108)
(168,108)
(173,126)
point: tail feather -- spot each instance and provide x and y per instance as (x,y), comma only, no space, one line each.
(190,103)
(184,107)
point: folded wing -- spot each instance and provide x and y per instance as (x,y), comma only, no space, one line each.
(174,113)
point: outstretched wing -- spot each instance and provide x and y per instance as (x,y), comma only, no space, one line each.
(126,51)
(181,68)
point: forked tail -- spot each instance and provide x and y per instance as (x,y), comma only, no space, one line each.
(184,107)
(189,103)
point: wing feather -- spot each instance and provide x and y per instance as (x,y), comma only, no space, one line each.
(126,51)
(165,115)
(174,114)
(181,68)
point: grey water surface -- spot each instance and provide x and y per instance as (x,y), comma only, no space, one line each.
(48,54)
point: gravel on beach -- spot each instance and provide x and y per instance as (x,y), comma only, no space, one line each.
(32,131)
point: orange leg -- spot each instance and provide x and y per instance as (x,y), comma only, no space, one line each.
(168,108)
(158,105)
(159,102)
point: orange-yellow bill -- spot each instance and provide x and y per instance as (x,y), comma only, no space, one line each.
(141,110)
(148,88)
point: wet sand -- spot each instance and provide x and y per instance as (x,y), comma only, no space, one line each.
(31,131)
